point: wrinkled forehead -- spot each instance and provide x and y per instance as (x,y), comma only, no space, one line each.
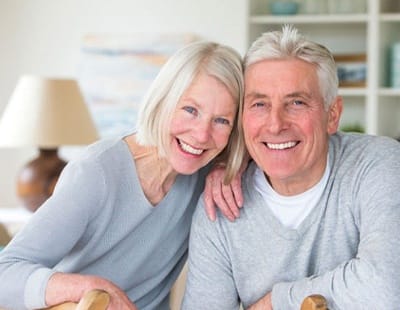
(279,71)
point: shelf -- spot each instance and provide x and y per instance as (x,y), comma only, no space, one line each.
(372,31)
(389,92)
(390,17)
(309,19)
(352,91)
(14,215)
(14,219)
(361,91)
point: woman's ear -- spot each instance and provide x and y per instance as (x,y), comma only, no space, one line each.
(334,113)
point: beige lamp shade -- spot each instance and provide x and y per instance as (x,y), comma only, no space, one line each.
(46,113)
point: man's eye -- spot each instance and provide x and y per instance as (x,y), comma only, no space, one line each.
(190,110)
(298,102)
(259,104)
(223,121)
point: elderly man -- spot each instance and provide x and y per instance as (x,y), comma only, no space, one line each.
(321,211)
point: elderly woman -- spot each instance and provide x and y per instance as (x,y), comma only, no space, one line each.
(120,215)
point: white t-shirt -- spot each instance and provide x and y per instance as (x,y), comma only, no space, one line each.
(290,210)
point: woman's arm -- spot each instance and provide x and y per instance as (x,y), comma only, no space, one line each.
(27,262)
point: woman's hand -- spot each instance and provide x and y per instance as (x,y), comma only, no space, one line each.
(228,198)
(264,303)
(64,287)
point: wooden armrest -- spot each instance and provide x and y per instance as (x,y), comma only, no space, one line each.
(98,300)
(314,302)
(92,300)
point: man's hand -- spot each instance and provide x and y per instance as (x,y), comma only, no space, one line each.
(264,303)
(228,198)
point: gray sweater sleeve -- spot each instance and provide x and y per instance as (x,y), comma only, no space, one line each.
(57,225)
(210,282)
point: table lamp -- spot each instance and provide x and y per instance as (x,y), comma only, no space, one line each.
(46,113)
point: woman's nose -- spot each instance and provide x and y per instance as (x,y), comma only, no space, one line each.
(202,131)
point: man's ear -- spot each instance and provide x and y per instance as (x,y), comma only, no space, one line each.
(334,113)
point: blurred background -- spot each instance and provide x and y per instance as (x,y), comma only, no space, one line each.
(88,40)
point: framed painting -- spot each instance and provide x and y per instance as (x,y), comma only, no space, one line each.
(115,71)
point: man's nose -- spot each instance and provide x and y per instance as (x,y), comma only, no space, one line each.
(277,120)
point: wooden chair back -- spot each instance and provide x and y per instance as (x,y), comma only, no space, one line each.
(92,300)
(314,302)
(99,300)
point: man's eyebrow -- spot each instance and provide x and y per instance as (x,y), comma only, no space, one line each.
(255,95)
(298,94)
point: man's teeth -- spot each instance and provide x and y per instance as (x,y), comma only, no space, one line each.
(187,148)
(281,146)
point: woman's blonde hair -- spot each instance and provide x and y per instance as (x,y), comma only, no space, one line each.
(219,61)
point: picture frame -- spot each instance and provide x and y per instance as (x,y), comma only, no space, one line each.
(116,70)
(351,69)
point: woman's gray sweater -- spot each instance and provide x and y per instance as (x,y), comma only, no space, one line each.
(99,222)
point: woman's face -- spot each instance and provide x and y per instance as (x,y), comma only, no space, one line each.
(201,124)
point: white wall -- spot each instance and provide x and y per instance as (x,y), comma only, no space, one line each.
(43,37)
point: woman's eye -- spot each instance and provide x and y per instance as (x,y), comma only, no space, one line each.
(190,110)
(223,121)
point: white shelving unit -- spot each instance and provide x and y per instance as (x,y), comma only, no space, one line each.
(371,31)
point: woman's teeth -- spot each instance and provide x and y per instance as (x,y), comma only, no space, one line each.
(187,148)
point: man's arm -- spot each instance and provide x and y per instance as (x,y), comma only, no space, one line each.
(367,281)
(210,283)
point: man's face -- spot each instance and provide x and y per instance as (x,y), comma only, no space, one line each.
(285,124)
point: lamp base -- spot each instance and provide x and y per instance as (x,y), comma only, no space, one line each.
(37,179)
